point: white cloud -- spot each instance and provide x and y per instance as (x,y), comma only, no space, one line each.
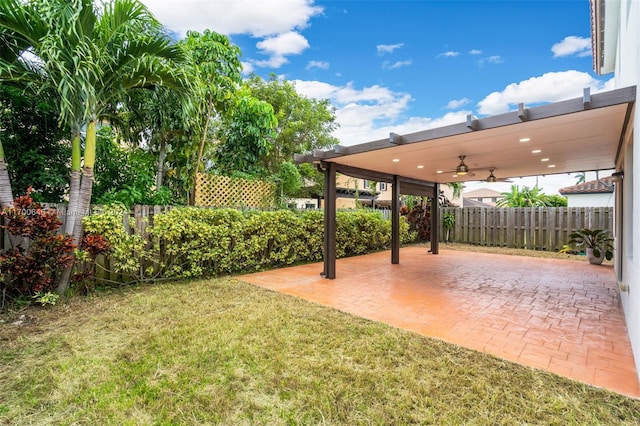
(572,45)
(495,59)
(289,43)
(392,66)
(458,103)
(370,113)
(449,54)
(257,18)
(388,48)
(279,46)
(318,64)
(247,67)
(364,113)
(475,52)
(549,87)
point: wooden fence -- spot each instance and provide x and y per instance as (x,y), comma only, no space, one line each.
(545,228)
(535,228)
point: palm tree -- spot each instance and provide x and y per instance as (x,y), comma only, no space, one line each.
(525,197)
(91,58)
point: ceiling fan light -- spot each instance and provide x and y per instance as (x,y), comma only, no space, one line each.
(491,178)
(462,168)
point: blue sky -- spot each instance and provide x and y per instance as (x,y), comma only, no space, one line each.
(405,66)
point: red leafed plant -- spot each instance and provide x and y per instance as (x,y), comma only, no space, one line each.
(93,245)
(33,264)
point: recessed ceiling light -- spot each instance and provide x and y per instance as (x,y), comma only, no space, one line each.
(439,171)
(421,166)
(454,175)
(536,151)
(525,139)
(396,160)
(544,159)
(551,166)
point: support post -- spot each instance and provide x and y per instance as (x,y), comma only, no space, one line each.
(395,221)
(329,221)
(435,220)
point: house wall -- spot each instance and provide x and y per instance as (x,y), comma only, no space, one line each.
(626,74)
(590,200)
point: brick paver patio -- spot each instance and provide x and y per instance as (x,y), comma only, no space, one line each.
(559,315)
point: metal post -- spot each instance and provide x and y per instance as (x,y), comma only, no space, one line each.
(329,221)
(435,219)
(395,221)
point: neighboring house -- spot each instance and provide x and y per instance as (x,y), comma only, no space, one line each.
(485,196)
(352,191)
(615,37)
(368,193)
(595,193)
(470,202)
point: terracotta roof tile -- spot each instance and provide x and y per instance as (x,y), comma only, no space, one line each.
(601,186)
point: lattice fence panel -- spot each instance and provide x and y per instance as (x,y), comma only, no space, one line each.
(223,191)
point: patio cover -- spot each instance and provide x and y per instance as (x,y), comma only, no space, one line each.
(570,136)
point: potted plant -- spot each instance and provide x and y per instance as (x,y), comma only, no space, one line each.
(598,244)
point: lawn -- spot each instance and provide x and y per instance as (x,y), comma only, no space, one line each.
(224,352)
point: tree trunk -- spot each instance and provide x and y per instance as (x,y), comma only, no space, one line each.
(6,194)
(84,200)
(73,211)
(161,157)
(192,195)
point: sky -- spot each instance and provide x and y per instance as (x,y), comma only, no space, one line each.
(408,65)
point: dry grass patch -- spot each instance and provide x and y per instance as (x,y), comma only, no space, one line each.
(224,352)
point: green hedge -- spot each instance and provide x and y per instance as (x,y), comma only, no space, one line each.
(195,242)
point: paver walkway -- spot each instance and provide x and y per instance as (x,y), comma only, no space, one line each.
(559,315)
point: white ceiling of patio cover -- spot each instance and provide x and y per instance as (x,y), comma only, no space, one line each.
(571,141)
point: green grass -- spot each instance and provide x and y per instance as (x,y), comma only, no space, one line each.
(224,352)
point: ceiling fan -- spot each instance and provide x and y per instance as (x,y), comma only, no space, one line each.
(492,178)
(461,170)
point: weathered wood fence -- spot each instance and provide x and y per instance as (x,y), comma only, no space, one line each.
(546,228)
(535,228)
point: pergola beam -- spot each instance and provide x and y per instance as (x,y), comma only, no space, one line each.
(593,101)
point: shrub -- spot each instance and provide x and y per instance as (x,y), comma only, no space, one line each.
(32,266)
(194,242)
(127,252)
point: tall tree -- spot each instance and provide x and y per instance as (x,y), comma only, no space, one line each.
(163,122)
(91,58)
(304,124)
(245,137)
(215,68)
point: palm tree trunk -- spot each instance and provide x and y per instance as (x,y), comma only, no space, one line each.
(86,188)
(84,200)
(6,194)
(73,211)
